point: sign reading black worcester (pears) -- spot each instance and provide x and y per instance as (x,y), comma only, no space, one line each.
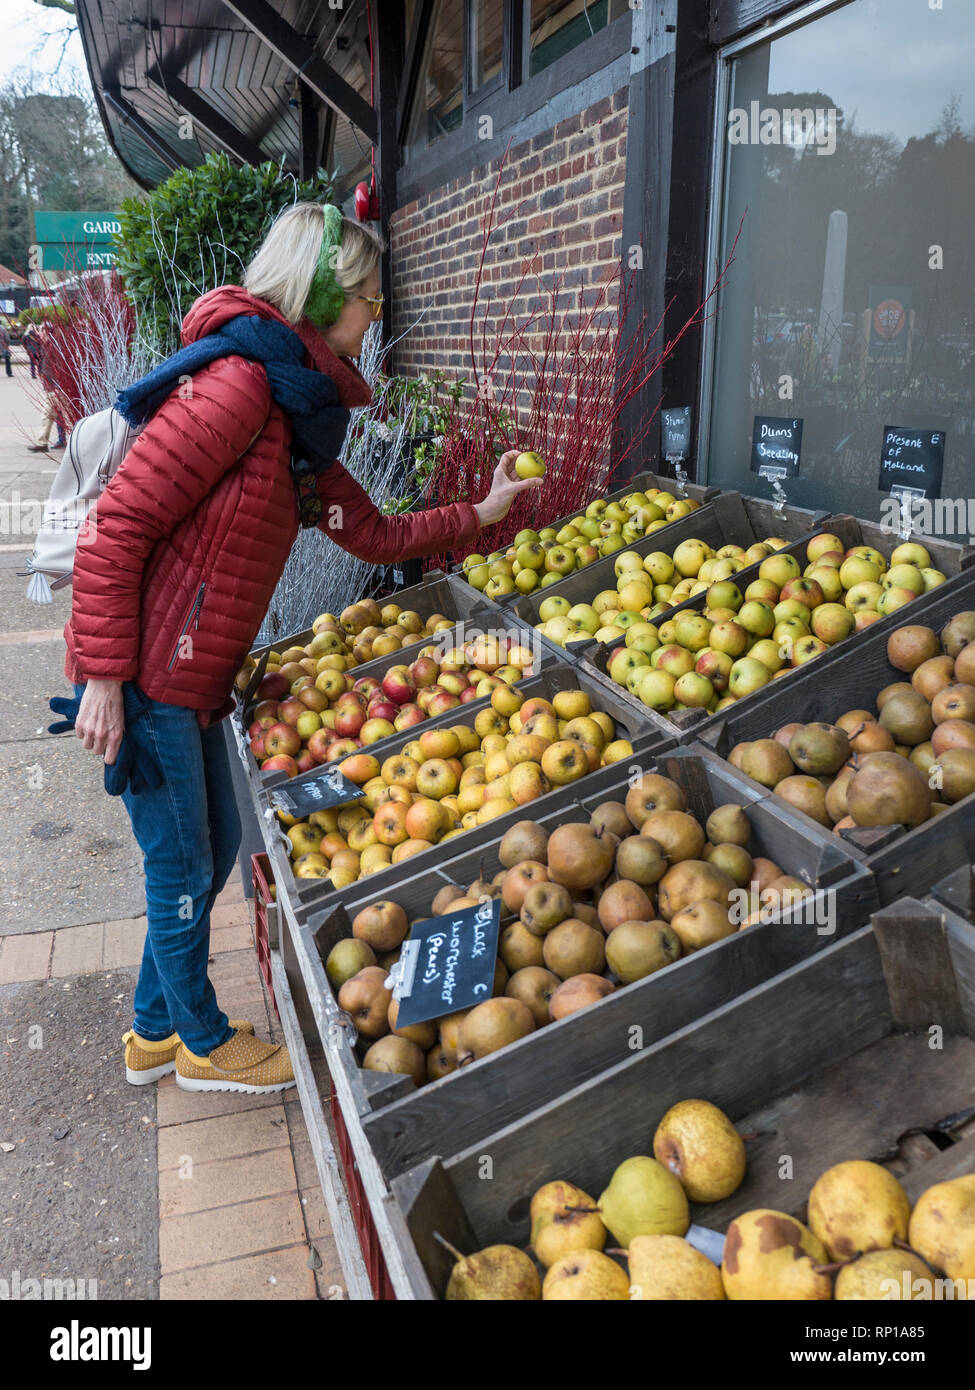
(447,963)
(776,445)
(912,459)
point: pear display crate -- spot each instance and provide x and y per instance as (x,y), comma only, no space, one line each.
(484,617)
(955,561)
(311,892)
(830,1060)
(903,861)
(402,1124)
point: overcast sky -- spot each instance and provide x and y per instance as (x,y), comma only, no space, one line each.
(24,47)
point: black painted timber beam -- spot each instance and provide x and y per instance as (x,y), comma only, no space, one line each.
(206,116)
(131,120)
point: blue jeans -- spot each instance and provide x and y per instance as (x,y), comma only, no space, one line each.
(189,832)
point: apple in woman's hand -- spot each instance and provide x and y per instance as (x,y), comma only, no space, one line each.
(529,465)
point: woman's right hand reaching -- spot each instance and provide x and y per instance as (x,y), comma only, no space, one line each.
(505,487)
(100,722)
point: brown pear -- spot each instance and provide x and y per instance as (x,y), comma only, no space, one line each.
(624,901)
(397,1054)
(954,701)
(519,879)
(499,1273)
(909,647)
(965,665)
(952,775)
(819,749)
(577,993)
(653,792)
(933,675)
(702,924)
(580,855)
(445,896)
(767,762)
(888,790)
(611,816)
(450,1030)
(440,1062)
(957,633)
(366,998)
(637,949)
(545,905)
(573,948)
(907,716)
(952,733)
(728,825)
(690,882)
(895,688)
(491,1026)
(525,840)
(836,794)
(764,872)
(641,859)
(679,834)
(734,859)
(423,1034)
(534,986)
(519,947)
(807,794)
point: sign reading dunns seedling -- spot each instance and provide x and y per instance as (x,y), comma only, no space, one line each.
(75,240)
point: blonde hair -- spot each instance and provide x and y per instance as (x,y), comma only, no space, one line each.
(284,264)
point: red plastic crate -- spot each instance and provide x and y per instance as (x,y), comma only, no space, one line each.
(263,878)
(372,1254)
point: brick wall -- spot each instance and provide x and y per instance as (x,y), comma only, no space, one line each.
(560,205)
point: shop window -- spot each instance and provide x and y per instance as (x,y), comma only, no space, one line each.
(558,26)
(487,43)
(848,147)
(439,102)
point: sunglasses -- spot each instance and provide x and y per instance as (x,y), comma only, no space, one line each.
(376,302)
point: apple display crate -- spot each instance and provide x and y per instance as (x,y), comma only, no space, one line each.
(638,483)
(903,861)
(687,724)
(828,1061)
(402,1124)
(727,519)
(310,892)
(480,617)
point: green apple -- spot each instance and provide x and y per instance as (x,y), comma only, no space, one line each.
(596,509)
(555,606)
(479,576)
(747,675)
(530,555)
(805,649)
(626,618)
(470,561)
(894,598)
(560,560)
(768,653)
(526,581)
(692,631)
(865,594)
(932,578)
(791,629)
(729,638)
(757,618)
(725,594)
(499,585)
(690,556)
(616,513)
(566,533)
(756,553)
(609,544)
(557,629)
(656,690)
(526,537)
(790,608)
(911,553)
(606,598)
(870,553)
(659,566)
(547,533)
(828,579)
(763,590)
(625,660)
(631,533)
(609,634)
(589,527)
(831,622)
(529,465)
(627,561)
(858,570)
(903,576)
(549,577)
(694,690)
(779,569)
(585,615)
(585,554)
(819,545)
(609,526)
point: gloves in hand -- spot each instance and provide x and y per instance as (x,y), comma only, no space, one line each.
(133,769)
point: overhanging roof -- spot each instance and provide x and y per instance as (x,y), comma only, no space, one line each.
(153,62)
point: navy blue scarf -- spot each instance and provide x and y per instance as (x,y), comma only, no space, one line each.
(310,398)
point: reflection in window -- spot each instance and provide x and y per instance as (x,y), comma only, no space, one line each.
(439,102)
(559,25)
(487,20)
(851,301)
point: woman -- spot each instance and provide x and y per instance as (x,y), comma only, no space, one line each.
(52,409)
(174,576)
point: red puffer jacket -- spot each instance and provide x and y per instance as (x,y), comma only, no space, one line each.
(193,531)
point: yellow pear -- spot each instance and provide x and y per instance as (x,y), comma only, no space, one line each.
(563,1219)
(885,1274)
(858,1206)
(643,1199)
(666,1267)
(943,1227)
(771,1256)
(585,1276)
(499,1273)
(698,1143)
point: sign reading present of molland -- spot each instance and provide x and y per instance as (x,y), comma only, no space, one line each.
(447,963)
(776,446)
(912,459)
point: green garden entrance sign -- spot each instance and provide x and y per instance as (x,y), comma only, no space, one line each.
(75,240)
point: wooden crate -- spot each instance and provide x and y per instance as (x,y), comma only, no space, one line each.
(959,589)
(829,1060)
(309,893)
(403,1124)
(903,861)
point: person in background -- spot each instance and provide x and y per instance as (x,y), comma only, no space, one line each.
(32,344)
(5,348)
(52,411)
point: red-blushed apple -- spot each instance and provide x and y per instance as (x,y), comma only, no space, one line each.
(466,696)
(273,686)
(398,685)
(353,697)
(805,591)
(375,729)
(424,672)
(282,739)
(359,767)
(259,725)
(407,716)
(349,719)
(267,709)
(716,666)
(424,695)
(290,709)
(366,685)
(864,617)
(454,681)
(257,746)
(675,660)
(381,709)
(318,745)
(441,703)
(306,760)
(280,762)
(831,622)
(342,747)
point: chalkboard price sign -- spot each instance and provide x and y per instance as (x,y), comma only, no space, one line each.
(447,963)
(776,445)
(912,459)
(324,789)
(675,432)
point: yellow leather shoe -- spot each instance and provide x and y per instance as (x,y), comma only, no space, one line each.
(243,1063)
(147,1061)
